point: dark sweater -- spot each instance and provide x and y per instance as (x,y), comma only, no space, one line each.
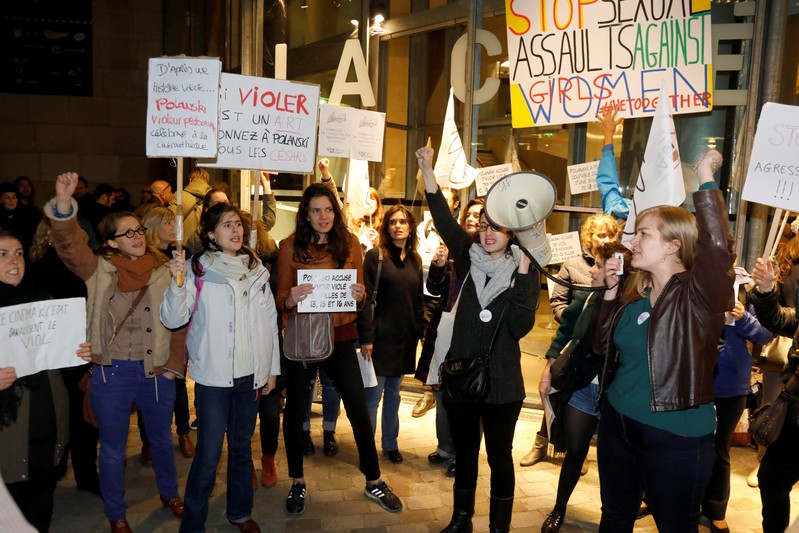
(397,324)
(471,336)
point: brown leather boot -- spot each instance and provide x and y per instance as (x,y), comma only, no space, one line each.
(186,446)
(268,472)
(120,526)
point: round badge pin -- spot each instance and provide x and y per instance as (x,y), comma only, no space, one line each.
(485,315)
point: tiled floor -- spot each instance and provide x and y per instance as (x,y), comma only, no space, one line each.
(336,501)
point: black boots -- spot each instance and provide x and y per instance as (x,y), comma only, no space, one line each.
(463,509)
(499,514)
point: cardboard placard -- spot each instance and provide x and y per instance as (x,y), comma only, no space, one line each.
(564,246)
(266,124)
(582,177)
(351,133)
(486,176)
(331,292)
(182,107)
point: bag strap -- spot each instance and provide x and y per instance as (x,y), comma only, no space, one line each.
(136,301)
(496,331)
(377,277)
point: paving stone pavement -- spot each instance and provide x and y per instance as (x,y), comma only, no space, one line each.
(336,502)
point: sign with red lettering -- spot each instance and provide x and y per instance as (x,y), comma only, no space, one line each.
(266,124)
(182,107)
(351,133)
(773,176)
(569,59)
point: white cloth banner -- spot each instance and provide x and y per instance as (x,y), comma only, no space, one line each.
(42,335)
(452,169)
(660,180)
(357,198)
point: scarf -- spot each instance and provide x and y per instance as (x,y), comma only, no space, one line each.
(498,271)
(133,275)
(234,268)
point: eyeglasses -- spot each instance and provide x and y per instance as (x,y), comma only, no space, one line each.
(131,233)
(496,229)
(398,222)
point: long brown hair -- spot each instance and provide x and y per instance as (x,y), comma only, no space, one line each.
(338,238)
(386,243)
(787,256)
(673,223)
(212,219)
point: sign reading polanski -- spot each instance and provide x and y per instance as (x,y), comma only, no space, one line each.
(569,59)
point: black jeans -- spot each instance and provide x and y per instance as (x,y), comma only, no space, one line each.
(34,496)
(82,446)
(342,369)
(779,471)
(269,414)
(499,426)
(717,494)
(635,458)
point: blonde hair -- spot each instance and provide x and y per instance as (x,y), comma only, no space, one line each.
(199,174)
(151,220)
(593,224)
(674,224)
(41,240)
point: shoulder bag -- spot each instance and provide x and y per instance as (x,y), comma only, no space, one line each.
(766,424)
(443,341)
(308,337)
(467,379)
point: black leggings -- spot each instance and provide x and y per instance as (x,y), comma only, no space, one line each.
(579,428)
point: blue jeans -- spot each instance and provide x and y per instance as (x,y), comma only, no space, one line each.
(389,389)
(181,411)
(331,404)
(671,469)
(221,410)
(113,391)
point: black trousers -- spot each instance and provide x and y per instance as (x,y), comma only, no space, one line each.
(343,370)
(83,437)
(499,425)
(779,471)
(717,493)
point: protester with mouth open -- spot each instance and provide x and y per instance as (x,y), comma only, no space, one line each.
(498,296)
(126,280)
(659,335)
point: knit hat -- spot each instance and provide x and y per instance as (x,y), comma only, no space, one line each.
(7,186)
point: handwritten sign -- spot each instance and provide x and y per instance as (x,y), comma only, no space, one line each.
(773,176)
(182,107)
(564,246)
(331,291)
(42,335)
(582,177)
(569,59)
(266,124)
(488,175)
(351,133)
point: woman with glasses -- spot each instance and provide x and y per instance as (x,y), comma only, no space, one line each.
(126,281)
(393,325)
(498,299)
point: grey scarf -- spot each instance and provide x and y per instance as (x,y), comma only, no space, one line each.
(500,271)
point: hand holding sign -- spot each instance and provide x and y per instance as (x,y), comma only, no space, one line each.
(7,377)
(327,291)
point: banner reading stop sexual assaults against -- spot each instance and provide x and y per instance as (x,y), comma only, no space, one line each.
(569,59)
(266,124)
(182,106)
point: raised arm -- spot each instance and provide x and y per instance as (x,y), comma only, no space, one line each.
(607,178)
(66,236)
(270,203)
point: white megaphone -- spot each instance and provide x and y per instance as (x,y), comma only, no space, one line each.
(521,202)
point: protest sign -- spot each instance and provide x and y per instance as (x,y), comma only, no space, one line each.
(570,59)
(773,176)
(486,176)
(582,177)
(266,124)
(564,246)
(331,290)
(42,335)
(182,107)
(452,169)
(351,133)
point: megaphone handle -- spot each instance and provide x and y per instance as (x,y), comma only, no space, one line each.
(560,281)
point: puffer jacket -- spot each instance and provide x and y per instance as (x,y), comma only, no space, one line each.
(686,322)
(210,338)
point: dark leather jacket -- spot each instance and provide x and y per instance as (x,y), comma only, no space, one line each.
(687,320)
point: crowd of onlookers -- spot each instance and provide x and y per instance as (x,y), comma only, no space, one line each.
(652,356)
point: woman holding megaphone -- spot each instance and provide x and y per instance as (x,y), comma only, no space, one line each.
(496,309)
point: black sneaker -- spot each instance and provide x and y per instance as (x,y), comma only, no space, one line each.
(308,448)
(330,444)
(382,494)
(295,502)
(193,425)
(450,470)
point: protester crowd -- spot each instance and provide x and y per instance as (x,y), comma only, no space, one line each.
(654,361)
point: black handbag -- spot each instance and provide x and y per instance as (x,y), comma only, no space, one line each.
(574,368)
(467,379)
(765,424)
